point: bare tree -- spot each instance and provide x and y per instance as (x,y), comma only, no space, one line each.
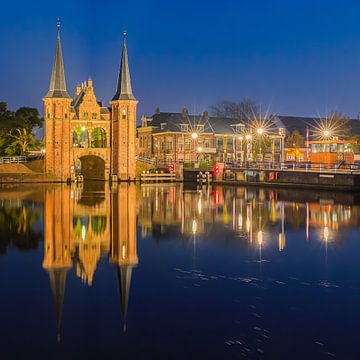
(243,110)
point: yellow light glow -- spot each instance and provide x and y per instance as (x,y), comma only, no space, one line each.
(260,131)
(199,149)
(240,138)
(194,227)
(260,237)
(194,135)
(248,137)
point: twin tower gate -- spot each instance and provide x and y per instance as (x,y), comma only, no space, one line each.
(84,137)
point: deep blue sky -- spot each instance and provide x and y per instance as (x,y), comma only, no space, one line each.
(295,57)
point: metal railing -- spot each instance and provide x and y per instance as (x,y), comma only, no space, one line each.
(12,159)
(295,166)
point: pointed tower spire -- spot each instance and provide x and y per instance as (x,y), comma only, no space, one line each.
(57,84)
(124,273)
(123,90)
(58,282)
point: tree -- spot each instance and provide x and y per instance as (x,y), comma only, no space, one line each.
(23,140)
(243,110)
(16,128)
(295,139)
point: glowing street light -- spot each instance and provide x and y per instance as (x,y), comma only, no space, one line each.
(260,131)
(240,138)
(199,149)
(327,133)
(248,137)
(194,135)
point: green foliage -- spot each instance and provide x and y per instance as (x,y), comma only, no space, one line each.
(16,128)
(295,139)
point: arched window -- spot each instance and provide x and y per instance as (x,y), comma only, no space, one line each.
(98,138)
(81,137)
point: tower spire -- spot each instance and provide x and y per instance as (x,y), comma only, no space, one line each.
(123,90)
(57,87)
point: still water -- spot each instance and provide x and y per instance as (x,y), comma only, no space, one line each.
(165,272)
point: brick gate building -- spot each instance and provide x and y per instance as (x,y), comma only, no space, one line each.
(82,136)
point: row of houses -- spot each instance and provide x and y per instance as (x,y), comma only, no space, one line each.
(172,137)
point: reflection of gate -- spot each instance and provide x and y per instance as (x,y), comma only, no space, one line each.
(92,167)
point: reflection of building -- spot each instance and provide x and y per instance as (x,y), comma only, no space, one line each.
(123,240)
(82,136)
(80,226)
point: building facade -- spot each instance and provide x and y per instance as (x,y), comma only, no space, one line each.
(84,137)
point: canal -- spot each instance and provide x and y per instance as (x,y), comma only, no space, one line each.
(167,272)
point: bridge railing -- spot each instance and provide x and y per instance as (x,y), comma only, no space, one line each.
(12,159)
(295,166)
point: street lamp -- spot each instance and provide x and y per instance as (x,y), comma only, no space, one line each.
(327,133)
(248,137)
(260,132)
(194,135)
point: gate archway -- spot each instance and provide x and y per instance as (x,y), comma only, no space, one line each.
(92,167)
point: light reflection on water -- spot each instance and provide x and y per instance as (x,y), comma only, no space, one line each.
(172,272)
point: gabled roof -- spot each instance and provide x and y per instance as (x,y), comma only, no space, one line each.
(300,123)
(123,90)
(57,87)
(173,121)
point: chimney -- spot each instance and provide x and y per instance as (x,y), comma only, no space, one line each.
(78,89)
(205,115)
(185,112)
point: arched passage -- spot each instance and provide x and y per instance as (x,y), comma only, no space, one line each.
(92,167)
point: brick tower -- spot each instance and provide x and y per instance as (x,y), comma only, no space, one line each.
(123,127)
(57,119)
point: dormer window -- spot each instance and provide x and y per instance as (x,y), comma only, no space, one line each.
(162,126)
(123,114)
(184,127)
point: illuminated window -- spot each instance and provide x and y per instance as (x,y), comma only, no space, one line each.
(123,114)
(86,115)
(184,127)
(93,116)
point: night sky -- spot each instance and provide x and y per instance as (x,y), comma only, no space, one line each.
(292,57)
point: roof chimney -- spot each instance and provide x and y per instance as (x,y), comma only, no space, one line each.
(185,112)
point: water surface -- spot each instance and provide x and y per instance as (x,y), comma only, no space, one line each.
(166,272)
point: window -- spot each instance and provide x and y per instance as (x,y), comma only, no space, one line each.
(86,115)
(220,142)
(65,116)
(184,127)
(93,116)
(180,144)
(207,143)
(187,144)
(162,126)
(141,141)
(123,114)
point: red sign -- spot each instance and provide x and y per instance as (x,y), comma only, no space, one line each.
(172,168)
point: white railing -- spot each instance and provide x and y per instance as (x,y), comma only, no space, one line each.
(12,159)
(145,160)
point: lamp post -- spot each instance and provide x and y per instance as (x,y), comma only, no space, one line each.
(260,132)
(248,138)
(241,138)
